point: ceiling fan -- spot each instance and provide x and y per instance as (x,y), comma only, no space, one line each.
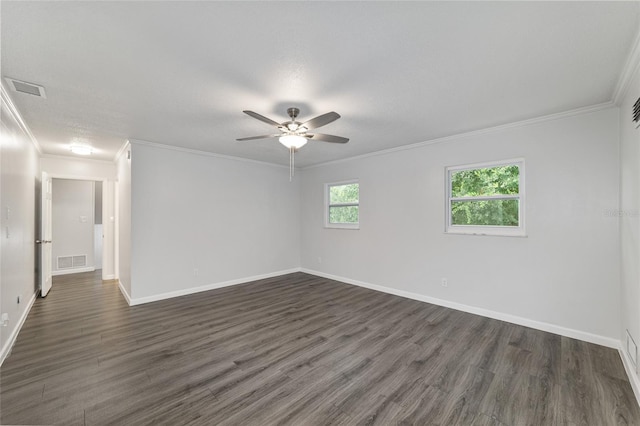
(294,134)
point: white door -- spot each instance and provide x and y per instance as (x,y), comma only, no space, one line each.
(45,235)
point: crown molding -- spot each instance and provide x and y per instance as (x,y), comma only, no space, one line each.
(121,151)
(13,110)
(203,153)
(631,68)
(488,130)
(70,158)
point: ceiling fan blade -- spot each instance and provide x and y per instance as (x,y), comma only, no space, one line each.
(250,138)
(327,138)
(321,120)
(262,118)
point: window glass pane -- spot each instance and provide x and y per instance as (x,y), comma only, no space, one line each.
(483,213)
(346,214)
(344,193)
(503,180)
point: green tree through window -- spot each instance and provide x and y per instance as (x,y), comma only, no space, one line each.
(488,196)
(344,203)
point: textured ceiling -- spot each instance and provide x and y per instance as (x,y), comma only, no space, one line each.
(180,73)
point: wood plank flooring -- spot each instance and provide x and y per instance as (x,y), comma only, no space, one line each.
(297,350)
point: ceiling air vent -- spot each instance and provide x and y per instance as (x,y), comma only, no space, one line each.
(28,88)
(636,113)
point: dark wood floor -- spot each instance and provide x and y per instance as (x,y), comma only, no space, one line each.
(298,350)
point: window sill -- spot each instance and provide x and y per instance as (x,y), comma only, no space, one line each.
(353,227)
(488,232)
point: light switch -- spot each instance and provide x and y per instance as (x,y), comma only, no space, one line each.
(83,219)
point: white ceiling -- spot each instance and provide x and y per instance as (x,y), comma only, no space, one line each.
(180,73)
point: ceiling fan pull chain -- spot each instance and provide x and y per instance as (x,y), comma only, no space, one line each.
(291,162)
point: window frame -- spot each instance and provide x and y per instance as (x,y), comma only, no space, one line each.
(495,230)
(328,205)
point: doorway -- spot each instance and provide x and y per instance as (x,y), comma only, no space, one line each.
(83,221)
(74,217)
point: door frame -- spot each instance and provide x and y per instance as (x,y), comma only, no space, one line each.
(109,254)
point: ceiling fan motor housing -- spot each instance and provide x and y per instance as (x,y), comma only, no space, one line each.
(293,113)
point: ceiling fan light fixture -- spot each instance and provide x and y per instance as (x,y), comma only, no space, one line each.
(293,141)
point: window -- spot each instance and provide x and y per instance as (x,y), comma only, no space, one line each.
(342,203)
(486,198)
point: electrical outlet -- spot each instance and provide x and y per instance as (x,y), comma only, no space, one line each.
(319,259)
(4,320)
(445,283)
(195,272)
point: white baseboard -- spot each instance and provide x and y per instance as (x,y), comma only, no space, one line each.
(124,292)
(73,270)
(631,371)
(192,290)
(6,349)
(538,325)
(109,277)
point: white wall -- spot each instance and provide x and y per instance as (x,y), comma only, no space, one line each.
(97,228)
(201,220)
(122,196)
(565,273)
(109,246)
(97,246)
(19,181)
(630,213)
(73,222)
(78,168)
